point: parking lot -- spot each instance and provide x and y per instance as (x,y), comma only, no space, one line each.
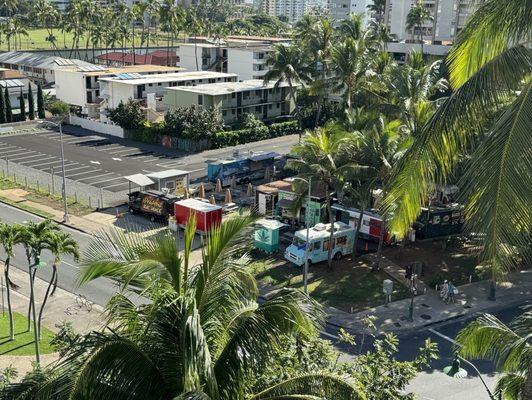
(102,162)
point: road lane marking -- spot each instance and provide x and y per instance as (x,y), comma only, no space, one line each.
(95,162)
(117,159)
(113,147)
(444,336)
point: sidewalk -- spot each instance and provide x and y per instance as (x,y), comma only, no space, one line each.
(63,306)
(430,309)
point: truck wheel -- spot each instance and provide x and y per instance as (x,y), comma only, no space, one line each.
(338,256)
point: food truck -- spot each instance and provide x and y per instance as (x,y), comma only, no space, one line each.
(245,168)
(371,222)
(319,234)
(156,205)
(208,215)
(442,220)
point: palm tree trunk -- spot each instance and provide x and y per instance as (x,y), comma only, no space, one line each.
(32,277)
(331,236)
(196,50)
(133,42)
(298,115)
(357,233)
(46,295)
(55,284)
(8,298)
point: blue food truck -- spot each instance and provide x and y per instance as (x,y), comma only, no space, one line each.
(245,168)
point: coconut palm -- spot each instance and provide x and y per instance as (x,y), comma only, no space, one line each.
(202,334)
(351,28)
(509,347)
(304,28)
(288,64)
(47,16)
(416,18)
(326,157)
(10,235)
(488,118)
(377,9)
(8,6)
(59,244)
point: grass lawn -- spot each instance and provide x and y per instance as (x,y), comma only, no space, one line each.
(349,286)
(42,196)
(23,345)
(37,40)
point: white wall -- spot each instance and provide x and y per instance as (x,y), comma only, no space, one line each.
(108,129)
(187,57)
(119,92)
(70,87)
(240,62)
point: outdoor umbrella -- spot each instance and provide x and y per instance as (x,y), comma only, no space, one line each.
(249,192)
(212,200)
(202,191)
(218,186)
(228,196)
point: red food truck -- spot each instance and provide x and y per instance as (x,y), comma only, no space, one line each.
(207,215)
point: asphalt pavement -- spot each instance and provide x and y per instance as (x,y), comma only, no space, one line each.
(102,161)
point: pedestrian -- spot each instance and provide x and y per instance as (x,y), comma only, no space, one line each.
(444,292)
(452,292)
(408,272)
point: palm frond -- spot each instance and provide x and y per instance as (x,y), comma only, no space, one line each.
(312,386)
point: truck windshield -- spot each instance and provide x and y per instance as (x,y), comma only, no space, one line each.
(298,242)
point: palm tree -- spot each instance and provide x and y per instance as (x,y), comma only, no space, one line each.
(34,239)
(201,335)
(416,18)
(8,6)
(59,244)
(47,16)
(351,28)
(377,9)
(288,64)
(304,28)
(152,11)
(326,157)
(10,235)
(350,68)
(509,347)
(486,117)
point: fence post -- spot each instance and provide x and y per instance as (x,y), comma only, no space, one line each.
(101,197)
(14,178)
(76,197)
(26,182)
(37,186)
(90,203)
(52,173)
(49,193)
(98,204)
(7,165)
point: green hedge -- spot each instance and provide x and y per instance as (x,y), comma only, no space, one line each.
(153,134)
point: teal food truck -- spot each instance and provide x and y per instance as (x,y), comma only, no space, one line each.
(319,234)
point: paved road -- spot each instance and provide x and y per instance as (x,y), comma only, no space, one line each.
(102,161)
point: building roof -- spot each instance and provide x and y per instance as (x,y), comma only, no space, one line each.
(220,88)
(169,173)
(11,83)
(170,77)
(158,57)
(98,70)
(6,73)
(40,60)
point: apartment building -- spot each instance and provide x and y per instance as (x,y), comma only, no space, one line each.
(291,9)
(80,86)
(343,9)
(150,89)
(248,62)
(234,99)
(449,18)
(39,67)
(203,56)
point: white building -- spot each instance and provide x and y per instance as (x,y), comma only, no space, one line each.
(248,62)
(343,9)
(292,9)
(203,57)
(150,89)
(449,18)
(234,99)
(39,67)
(80,86)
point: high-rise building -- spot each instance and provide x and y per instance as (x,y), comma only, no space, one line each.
(449,17)
(343,9)
(291,9)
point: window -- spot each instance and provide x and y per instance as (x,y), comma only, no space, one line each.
(150,84)
(316,246)
(245,95)
(270,106)
(257,92)
(159,84)
(233,95)
(278,105)
(233,111)
(257,108)
(341,241)
(224,113)
(200,99)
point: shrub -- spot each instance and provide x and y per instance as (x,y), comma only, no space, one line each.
(284,128)
(227,138)
(195,123)
(128,115)
(59,107)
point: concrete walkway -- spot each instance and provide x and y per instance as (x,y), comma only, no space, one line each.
(62,307)
(430,309)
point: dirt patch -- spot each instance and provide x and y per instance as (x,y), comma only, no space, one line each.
(452,260)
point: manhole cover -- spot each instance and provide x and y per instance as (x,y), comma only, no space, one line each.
(397,324)
(425,305)
(425,316)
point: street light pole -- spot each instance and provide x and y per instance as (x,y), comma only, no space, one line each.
(65,216)
(455,371)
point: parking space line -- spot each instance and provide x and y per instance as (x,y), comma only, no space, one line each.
(92,177)
(77,168)
(31,161)
(13,149)
(30,156)
(82,140)
(45,163)
(82,173)
(125,151)
(116,184)
(46,135)
(113,147)
(106,180)
(170,163)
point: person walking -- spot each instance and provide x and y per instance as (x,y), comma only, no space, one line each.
(444,292)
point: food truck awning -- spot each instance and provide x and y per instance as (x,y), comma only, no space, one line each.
(139,179)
